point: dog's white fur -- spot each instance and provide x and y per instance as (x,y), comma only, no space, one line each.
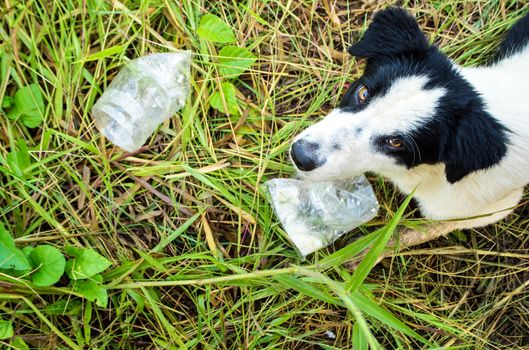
(480,198)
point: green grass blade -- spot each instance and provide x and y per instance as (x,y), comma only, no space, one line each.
(347,253)
(173,235)
(359,341)
(369,261)
(307,289)
(371,308)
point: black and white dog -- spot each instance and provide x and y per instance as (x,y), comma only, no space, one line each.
(458,136)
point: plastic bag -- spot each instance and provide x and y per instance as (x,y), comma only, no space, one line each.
(145,93)
(315,214)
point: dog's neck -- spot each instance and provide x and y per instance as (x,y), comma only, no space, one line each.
(475,195)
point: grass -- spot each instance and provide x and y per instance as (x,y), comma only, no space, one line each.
(198,258)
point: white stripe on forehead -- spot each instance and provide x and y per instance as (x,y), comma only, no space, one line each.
(406,106)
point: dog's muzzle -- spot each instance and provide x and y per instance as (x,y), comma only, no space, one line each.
(304,155)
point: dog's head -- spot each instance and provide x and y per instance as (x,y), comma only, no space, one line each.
(411,107)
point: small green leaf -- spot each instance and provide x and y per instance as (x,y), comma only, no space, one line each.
(27,250)
(234,60)
(226,102)
(65,307)
(85,264)
(28,105)
(32,119)
(49,263)
(214,29)
(19,159)
(7,102)
(6,329)
(10,256)
(14,112)
(92,291)
(19,344)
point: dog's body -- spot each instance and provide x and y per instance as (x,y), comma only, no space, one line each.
(493,191)
(457,136)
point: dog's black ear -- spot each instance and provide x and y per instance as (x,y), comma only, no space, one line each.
(478,142)
(393,31)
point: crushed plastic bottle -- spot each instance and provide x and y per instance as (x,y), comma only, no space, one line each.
(315,214)
(145,93)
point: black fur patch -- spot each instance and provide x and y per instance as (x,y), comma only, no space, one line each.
(516,39)
(393,31)
(461,134)
(478,142)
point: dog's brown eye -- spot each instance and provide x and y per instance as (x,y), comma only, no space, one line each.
(395,142)
(362,93)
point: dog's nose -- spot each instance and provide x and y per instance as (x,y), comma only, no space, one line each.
(303,155)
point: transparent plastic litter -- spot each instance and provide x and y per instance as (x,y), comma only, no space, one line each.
(315,214)
(146,92)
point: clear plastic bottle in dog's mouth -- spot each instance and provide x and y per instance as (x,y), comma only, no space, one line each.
(315,214)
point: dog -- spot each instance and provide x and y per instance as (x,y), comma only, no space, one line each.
(457,137)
